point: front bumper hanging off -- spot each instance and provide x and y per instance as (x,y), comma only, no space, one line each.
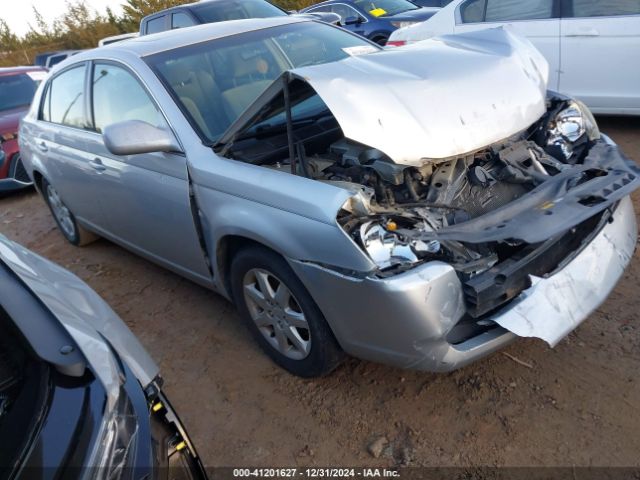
(405,320)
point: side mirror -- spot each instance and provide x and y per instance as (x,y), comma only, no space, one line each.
(134,137)
(353,20)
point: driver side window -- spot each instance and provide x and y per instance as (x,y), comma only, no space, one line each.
(118,96)
(345,12)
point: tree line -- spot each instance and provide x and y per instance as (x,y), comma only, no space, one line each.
(81,27)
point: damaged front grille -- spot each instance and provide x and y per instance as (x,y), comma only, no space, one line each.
(491,289)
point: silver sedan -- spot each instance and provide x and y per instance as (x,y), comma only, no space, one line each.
(420,207)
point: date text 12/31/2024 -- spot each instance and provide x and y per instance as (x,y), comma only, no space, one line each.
(315,473)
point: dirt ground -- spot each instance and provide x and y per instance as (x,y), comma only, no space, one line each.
(575,405)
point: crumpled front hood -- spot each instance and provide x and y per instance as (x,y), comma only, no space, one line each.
(443,97)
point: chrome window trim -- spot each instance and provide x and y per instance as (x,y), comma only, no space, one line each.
(366,20)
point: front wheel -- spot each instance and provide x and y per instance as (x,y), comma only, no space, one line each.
(74,233)
(281,314)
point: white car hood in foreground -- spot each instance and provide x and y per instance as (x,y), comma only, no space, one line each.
(84,315)
(440,98)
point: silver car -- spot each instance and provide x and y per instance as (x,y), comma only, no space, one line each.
(420,207)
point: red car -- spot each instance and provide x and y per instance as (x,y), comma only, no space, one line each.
(17,87)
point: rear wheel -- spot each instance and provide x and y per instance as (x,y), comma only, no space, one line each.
(74,233)
(281,314)
(381,40)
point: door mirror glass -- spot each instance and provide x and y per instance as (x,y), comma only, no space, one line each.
(134,137)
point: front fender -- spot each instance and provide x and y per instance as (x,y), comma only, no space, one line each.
(292,235)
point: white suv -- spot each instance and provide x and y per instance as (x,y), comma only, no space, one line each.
(593,46)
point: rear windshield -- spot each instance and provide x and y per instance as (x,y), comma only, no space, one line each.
(16,91)
(214,82)
(236,10)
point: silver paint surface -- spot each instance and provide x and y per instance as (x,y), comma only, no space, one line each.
(436,99)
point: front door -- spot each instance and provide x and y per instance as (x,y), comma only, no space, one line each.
(145,197)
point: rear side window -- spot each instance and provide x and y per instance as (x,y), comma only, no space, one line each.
(118,96)
(605,8)
(473,11)
(506,10)
(211,12)
(156,25)
(66,98)
(323,8)
(181,20)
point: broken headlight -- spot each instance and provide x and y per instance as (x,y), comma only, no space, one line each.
(389,249)
(115,451)
(571,125)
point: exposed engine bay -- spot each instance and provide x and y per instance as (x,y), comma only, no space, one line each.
(517,207)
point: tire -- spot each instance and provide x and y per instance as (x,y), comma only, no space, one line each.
(66,221)
(296,336)
(382,41)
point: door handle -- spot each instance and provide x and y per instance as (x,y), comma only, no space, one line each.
(43,146)
(97,165)
(586,32)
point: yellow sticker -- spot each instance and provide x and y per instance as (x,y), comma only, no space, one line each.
(376,12)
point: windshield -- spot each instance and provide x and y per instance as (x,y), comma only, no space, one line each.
(16,91)
(214,82)
(236,10)
(385,8)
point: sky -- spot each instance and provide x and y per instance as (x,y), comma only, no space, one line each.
(19,13)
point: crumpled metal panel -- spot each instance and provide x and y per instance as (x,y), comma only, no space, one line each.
(554,306)
(440,98)
(85,316)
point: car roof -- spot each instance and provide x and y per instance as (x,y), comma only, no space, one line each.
(170,39)
(329,2)
(14,70)
(187,6)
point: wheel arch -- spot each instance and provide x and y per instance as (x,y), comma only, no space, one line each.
(226,248)
(37,180)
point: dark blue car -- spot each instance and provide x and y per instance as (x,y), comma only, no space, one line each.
(374,19)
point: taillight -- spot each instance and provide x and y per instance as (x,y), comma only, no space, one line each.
(396,43)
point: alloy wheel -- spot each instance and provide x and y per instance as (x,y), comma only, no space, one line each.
(61,212)
(277,313)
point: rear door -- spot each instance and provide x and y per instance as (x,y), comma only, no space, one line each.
(537,20)
(600,45)
(145,197)
(62,134)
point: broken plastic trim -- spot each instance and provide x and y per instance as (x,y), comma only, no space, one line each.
(556,205)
